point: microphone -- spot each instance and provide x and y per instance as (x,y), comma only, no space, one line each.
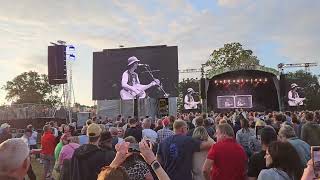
(143,65)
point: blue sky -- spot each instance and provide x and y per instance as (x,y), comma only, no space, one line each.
(277,31)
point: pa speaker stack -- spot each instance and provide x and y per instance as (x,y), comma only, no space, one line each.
(57,67)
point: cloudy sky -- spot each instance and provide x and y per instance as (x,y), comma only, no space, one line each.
(277,31)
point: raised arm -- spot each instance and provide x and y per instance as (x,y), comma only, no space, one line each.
(205,145)
(149,157)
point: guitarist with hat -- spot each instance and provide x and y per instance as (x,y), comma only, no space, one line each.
(131,87)
(294,99)
(189,102)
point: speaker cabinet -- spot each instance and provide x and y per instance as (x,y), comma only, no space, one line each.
(57,67)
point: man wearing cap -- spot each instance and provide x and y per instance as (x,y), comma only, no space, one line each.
(5,132)
(88,159)
(189,102)
(14,158)
(131,87)
(165,131)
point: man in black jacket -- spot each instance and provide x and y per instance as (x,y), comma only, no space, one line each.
(88,159)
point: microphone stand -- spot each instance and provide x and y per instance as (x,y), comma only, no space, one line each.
(147,67)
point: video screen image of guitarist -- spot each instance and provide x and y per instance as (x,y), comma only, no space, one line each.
(189,100)
(131,87)
(294,98)
(135,72)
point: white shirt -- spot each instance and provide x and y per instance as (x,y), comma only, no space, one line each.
(55,132)
(120,140)
(25,139)
(33,138)
(150,134)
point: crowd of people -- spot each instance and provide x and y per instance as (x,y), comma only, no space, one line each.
(236,145)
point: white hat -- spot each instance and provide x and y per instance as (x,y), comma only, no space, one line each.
(132,59)
(5,125)
(13,152)
(190,90)
(293,85)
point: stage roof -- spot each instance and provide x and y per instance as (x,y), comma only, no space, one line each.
(211,72)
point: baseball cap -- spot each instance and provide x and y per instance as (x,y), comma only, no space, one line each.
(94,130)
(166,122)
(5,125)
(13,152)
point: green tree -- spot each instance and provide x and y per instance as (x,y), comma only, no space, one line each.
(31,87)
(310,85)
(231,55)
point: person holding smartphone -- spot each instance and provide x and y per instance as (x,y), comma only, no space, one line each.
(115,169)
(312,171)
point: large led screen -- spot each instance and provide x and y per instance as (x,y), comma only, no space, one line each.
(139,72)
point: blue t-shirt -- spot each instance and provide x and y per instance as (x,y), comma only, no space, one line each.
(176,156)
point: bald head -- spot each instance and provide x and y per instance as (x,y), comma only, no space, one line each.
(146,123)
(13,155)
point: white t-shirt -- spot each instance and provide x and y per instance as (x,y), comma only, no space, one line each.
(25,139)
(33,138)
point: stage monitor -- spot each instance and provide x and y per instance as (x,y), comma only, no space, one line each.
(239,101)
(140,72)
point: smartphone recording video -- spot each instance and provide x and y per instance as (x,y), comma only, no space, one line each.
(315,151)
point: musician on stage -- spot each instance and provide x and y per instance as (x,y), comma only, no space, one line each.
(293,96)
(131,87)
(189,102)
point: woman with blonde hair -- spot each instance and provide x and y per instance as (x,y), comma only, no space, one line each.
(200,133)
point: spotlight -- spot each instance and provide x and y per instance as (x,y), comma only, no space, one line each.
(234,81)
(260,80)
(215,81)
(266,79)
(238,81)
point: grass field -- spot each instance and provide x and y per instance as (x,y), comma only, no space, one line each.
(37,168)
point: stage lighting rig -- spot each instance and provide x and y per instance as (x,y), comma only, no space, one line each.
(307,66)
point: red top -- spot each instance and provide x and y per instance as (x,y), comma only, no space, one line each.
(48,143)
(229,160)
